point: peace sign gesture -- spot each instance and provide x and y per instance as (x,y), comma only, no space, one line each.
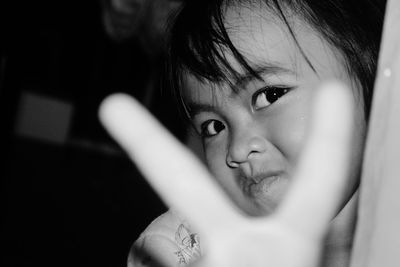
(292,236)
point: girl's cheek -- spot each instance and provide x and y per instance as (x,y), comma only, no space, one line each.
(289,133)
(216,163)
(215,160)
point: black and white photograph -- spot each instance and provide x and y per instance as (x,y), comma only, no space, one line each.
(200,133)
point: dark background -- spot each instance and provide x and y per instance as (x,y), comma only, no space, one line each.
(77,200)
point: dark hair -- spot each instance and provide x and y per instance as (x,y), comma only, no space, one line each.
(199,35)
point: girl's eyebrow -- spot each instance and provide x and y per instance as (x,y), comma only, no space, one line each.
(260,70)
(196,108)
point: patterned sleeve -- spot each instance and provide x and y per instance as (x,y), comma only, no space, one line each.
(167,240)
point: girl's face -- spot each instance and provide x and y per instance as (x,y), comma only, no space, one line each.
(253,137)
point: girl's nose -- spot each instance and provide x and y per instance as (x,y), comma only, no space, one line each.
(242,148)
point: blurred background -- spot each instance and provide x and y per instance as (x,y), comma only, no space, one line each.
(69,195)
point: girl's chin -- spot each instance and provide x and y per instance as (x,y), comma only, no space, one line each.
(258,207)
(263,208)
(266,201)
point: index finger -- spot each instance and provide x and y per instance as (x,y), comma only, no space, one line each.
(171,169)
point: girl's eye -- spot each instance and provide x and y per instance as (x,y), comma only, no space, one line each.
(267,96)
(211,128)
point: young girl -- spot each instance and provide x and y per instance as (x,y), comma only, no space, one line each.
(246,73)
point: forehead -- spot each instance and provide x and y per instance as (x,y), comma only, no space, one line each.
(260,35)
(264,39)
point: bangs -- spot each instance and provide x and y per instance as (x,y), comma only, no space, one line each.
(199,42)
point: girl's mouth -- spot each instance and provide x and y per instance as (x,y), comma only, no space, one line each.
(264,192)
(261,186)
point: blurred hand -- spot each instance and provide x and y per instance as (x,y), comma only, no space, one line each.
(293,235)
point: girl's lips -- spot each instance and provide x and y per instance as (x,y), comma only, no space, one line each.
(259,185)
(263,193)
(262,185)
